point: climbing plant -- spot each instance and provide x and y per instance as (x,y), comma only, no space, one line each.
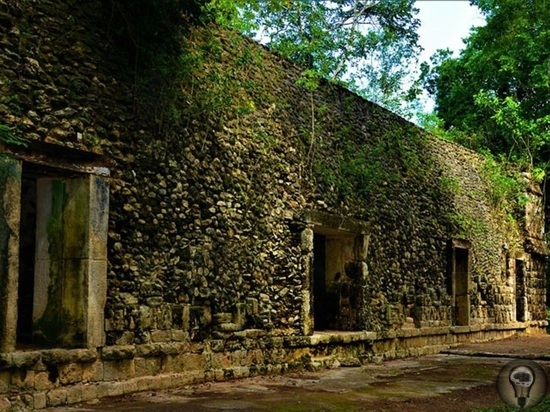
(7,137)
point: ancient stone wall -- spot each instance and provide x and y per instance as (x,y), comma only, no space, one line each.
(221,187)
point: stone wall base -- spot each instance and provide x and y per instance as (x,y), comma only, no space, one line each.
(49,378)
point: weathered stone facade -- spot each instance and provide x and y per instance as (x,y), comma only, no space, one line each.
(249,225)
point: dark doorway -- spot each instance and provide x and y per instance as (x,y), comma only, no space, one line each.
(27,249)
(338,276)
(320,304)
(461,282)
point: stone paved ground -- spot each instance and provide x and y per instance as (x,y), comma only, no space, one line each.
(462,380)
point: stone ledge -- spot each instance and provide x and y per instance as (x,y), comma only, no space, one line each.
(488,327)
(323,338)
(27,359)
(118,352)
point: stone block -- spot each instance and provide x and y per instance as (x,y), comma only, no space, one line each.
(147,350)
(39,400)
(220,360)
(89,392)
(5,405)
(179,335)
(146,317)
(128,387)
(255,356)
(56,397)
(175,364)
(195,362)
(306,240)
(117,388)
(161,336)
(5,379)
(103,389)
(185,317)
(147,366)
(150,383)
(42,381)
(127,338)
(187,378)
(70,373)
(118,352)
(23,379)
(74,394)
(24,360)
(92,372)
(119,370)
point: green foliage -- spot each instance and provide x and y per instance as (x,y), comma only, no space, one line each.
(309,79)
(212,88)
(361,173)
(496,91)
(368,46)
(467,225)
(7,137)
(373,167)
(505,187)
(450,185)
(525,137)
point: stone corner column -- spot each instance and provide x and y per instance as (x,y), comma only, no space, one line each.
(10,212)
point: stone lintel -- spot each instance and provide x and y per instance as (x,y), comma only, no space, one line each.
(326,222)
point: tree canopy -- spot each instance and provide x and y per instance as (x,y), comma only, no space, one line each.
(498,90)
(367,44)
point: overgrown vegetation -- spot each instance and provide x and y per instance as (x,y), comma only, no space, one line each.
(7,137)
(215,88)
(374,166)
(506,188)
(494,96)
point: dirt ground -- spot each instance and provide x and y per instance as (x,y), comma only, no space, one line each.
(458,381)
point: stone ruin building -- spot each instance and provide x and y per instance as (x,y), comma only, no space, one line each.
(240,224)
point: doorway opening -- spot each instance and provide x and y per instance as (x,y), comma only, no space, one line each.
(27,251)
(338,277)
(461,282)
(62,257)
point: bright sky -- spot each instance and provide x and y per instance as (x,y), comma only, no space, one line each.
(444,24)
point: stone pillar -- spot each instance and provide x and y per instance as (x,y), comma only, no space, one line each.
(71,261)
(306,246)
(10,210)
(97,270)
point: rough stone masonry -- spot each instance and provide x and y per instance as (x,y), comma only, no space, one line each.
(232,224)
